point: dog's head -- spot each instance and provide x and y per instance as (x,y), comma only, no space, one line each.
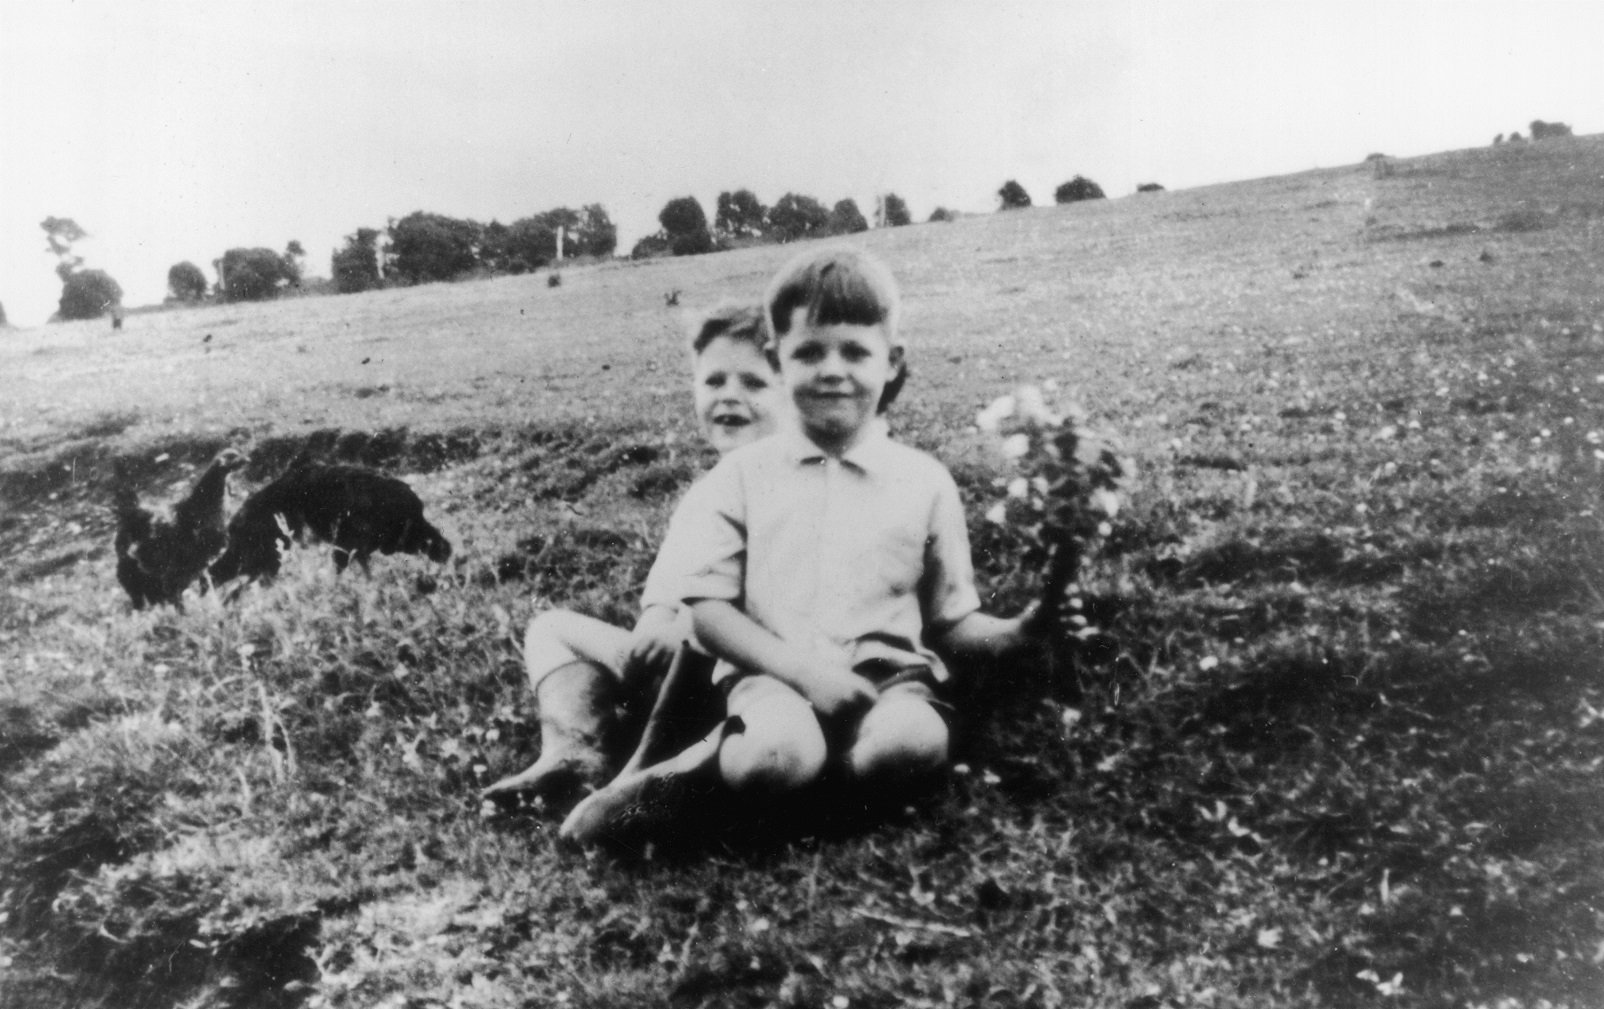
(422,538)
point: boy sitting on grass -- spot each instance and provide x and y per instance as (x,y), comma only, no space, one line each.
(579,666)
(829,569)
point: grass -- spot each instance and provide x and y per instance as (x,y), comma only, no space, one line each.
(1341,747)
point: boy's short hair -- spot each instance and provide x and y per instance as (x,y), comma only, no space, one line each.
(837,286)
(738,321)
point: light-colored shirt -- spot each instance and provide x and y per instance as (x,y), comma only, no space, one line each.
(851,559)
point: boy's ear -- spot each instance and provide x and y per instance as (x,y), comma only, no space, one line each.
(771,353)
(896,357)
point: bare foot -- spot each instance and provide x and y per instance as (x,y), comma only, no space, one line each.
(641,801)
(556,771)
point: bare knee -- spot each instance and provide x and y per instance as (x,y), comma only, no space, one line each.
(551,627)
(901,738)
(780,749)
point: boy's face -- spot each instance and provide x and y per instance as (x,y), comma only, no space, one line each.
(737,394)
(835,375)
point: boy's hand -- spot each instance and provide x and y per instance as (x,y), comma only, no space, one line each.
(653,643)
(838,692)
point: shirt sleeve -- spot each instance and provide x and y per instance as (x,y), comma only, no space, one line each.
(947,590)
(663,580)
(706,539)
(667,576)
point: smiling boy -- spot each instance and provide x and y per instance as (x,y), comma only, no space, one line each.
(831,566)
(577,665)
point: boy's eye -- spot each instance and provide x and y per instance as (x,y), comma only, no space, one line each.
(808,353)
(754,383)
(855,352)
(715,380)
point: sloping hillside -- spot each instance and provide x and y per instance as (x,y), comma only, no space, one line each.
(1340,747)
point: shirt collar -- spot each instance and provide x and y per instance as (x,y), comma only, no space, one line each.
(868,454)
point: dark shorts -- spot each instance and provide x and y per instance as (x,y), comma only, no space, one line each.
(919,680)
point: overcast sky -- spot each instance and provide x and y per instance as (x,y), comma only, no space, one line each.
(173,130)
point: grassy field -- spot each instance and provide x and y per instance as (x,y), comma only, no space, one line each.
(1343,748)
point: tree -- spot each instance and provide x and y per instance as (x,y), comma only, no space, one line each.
(89,294)
(1150,187)
(430,247)
(941,215)
(594,234)
(1542,131)
(847,219)
(685,224)
(61,232)
(893,212)
(1077,189)
(186,282)
(252,274)
(495,251)
(796,217)
(356,267)
(3,323)
(740,215)
(294,257)
(1013,196)
(532,241)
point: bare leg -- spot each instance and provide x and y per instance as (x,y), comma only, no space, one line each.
(901,740)
(770,745)
(576,718)
(638,802)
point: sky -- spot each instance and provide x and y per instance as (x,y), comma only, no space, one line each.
(174,130)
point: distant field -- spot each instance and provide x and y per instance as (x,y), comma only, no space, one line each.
(1344,750)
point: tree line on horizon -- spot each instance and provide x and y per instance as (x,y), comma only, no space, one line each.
(425,247)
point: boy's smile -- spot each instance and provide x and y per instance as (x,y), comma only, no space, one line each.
(835,374)
(737,397)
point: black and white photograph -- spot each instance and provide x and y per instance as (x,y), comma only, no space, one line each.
(724,504)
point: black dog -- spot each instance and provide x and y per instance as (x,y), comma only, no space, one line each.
(359,511)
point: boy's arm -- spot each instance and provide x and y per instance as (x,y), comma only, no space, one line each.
(956,626)
(982,636)
(655,639)
(742,641)
(658,632)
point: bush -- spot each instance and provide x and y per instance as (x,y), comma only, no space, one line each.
(847,219)
(1077,189)
(941,215)
(1543,131)
(1150,187)
(433,247)
(1013,196)
(796,216)
(186,282)
(252,274)
(894,211)
(356,267)
(88,294)
(651,247)
(685,224)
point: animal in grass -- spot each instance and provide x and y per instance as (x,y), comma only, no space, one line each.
(360,511)
(159,555)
